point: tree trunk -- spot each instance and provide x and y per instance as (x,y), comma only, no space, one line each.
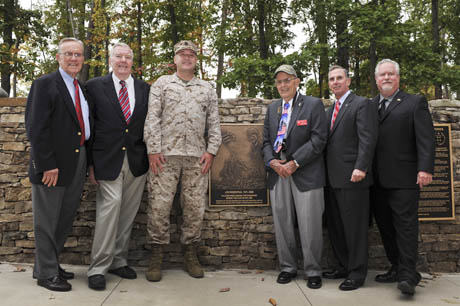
(71,21)
(341,22)
(436,48)
(321,28)
(9,15)
(84,74)
(220,51)
(373,58)
(263,49)
(174,29)
(139,39)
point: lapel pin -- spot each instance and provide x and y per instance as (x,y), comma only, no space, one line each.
(399,100)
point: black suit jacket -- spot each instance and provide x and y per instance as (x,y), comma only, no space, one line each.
(112,136)
(305,141)
(351,142)
(406,143)
(52,128)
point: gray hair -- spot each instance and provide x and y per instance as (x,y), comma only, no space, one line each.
(387,60)
(67,39)
(334,67)
(120,44)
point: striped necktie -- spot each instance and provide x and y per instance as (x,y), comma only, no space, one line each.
(124,101)
(336,112)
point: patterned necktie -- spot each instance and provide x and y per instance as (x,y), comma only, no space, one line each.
(79,112)
(124,101)
(336,111)
(382,108)
(282,129)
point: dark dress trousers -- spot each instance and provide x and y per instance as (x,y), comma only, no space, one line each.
(54,134)
(405,146)
(112,136)
(351,144)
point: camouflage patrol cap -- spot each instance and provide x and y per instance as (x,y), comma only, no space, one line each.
(185,45)
(287,69)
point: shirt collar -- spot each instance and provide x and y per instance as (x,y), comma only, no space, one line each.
(390,98)
(67,77)
(117,80)
(344,97)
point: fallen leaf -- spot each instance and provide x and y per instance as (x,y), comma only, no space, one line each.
(259,271)
(272,301)
(450,302)
(262,279)
(245,272)
(224,290)
(52,297)
(123,290)
(19,269)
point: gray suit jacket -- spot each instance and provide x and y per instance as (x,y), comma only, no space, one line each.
(305,140)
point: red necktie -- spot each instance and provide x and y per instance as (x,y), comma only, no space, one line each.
(79,113)
(123,98)
(336,111)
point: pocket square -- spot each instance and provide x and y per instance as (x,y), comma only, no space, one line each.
(301,122)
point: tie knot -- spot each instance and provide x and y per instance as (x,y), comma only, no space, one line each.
(122,83)
(286,106)
(75,83)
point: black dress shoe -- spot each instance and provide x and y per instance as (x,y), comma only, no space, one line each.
(335,274)
(314,282)
(406,287)
(285,277)
(124,272)
(65,275)
(55,283)
(389,277)
(96,282)
(351,284)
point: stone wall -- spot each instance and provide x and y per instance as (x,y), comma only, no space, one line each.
(234,237)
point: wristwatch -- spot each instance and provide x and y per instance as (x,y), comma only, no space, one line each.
(296,163)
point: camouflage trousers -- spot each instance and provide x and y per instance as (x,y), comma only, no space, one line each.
(162,188)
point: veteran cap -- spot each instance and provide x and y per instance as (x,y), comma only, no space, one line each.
(287,69)
(185,45)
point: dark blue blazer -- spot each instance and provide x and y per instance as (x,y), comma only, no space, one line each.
(112,136)
(52,128)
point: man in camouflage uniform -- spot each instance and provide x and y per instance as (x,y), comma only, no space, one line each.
(182,108)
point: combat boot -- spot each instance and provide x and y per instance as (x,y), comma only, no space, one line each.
(192,265)
(153,274)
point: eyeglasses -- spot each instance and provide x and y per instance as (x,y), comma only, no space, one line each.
(187,55)
(284,81)
(72,54)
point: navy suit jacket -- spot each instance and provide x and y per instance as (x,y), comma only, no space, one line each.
(305,141)
(53,129)
(406,143)
(351,142)
(112,136)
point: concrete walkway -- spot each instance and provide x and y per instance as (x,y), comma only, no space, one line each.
(244,288)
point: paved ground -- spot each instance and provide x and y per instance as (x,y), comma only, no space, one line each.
(245,288)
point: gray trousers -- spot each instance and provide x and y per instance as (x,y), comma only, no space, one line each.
(117,203)
(54,209)
(288,203)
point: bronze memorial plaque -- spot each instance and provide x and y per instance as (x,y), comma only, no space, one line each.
(238,174)
(437,199)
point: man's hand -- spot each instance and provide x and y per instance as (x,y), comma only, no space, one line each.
(424,178)
(278,166)
(50,177)
(156,162)
(92,177)
(206,162)
(357,175)
(291,167)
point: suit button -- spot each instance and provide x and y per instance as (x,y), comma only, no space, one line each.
(77,150)
(126,131)
(79,133)
(124,148)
